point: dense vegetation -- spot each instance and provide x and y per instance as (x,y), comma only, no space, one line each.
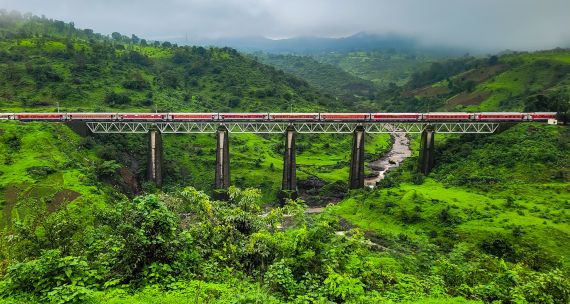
(382,66)
(492,219)
(45,64)
(510,82)
(48,63)
(327,77)
(79,224)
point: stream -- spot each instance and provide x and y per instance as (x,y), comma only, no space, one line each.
(400,151)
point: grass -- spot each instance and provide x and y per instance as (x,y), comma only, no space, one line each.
(528,74)
(528,203)
(37,162)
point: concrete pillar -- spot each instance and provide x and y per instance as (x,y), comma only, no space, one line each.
(79,127)
(222,159)
(154,167)
(426,160)
(357,159)
(289,182)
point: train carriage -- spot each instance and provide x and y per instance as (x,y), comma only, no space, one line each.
(192,116)
(542,116)
(345,116)
(92,116)
(447,116)
(40,116)
(142,116)
(294,116)
(498,116)
(396,116)
(243,116)
(5,116)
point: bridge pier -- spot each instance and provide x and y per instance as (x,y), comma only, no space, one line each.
(426,158)
(154,165)
(356,176)
(289,182)
(222,179)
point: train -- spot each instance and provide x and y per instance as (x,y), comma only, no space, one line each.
(289,117)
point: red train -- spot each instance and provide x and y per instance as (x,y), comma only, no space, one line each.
(288,117)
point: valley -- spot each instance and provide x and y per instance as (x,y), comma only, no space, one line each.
(82,223)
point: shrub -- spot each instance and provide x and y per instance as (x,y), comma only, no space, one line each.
(114,99)
(50,272)
(39,172)
(136,82)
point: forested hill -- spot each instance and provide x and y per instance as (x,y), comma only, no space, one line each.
(46,62)
(538,81)
(327,77)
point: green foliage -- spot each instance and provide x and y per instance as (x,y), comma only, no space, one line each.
(489,224)
(45,62)
(116,99)
(65,279)
(146,232)
(442,70)
(526,152)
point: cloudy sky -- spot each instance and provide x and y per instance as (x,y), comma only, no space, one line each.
(481,24)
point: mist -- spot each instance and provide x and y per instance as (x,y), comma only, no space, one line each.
(484,25)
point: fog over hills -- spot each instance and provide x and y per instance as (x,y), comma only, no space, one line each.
(480,26)
(312,44)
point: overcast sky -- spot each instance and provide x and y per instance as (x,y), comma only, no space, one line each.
(481,24)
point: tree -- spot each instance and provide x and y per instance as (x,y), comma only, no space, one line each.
(136,82)
(147,231)
(135,39)
(114,99)
(116,36)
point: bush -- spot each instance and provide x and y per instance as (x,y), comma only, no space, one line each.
(50,272)
(115,99)
(39,172)
(13,142)
(136,82)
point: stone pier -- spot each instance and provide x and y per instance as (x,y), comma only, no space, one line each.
(289,182)
(356,177)
(154,167)
(222,180)
(426,158)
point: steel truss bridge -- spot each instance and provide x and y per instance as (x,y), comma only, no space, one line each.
(288,124)
(299,127)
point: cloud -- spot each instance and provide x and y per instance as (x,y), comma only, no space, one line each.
(480,24)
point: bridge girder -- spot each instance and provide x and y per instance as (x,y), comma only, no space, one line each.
(300,127)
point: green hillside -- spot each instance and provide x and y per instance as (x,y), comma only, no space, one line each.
(492,199)
(512,82)
(382,67)
(44,63)
(327,77)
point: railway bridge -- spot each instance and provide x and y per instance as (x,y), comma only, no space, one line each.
(289,124)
